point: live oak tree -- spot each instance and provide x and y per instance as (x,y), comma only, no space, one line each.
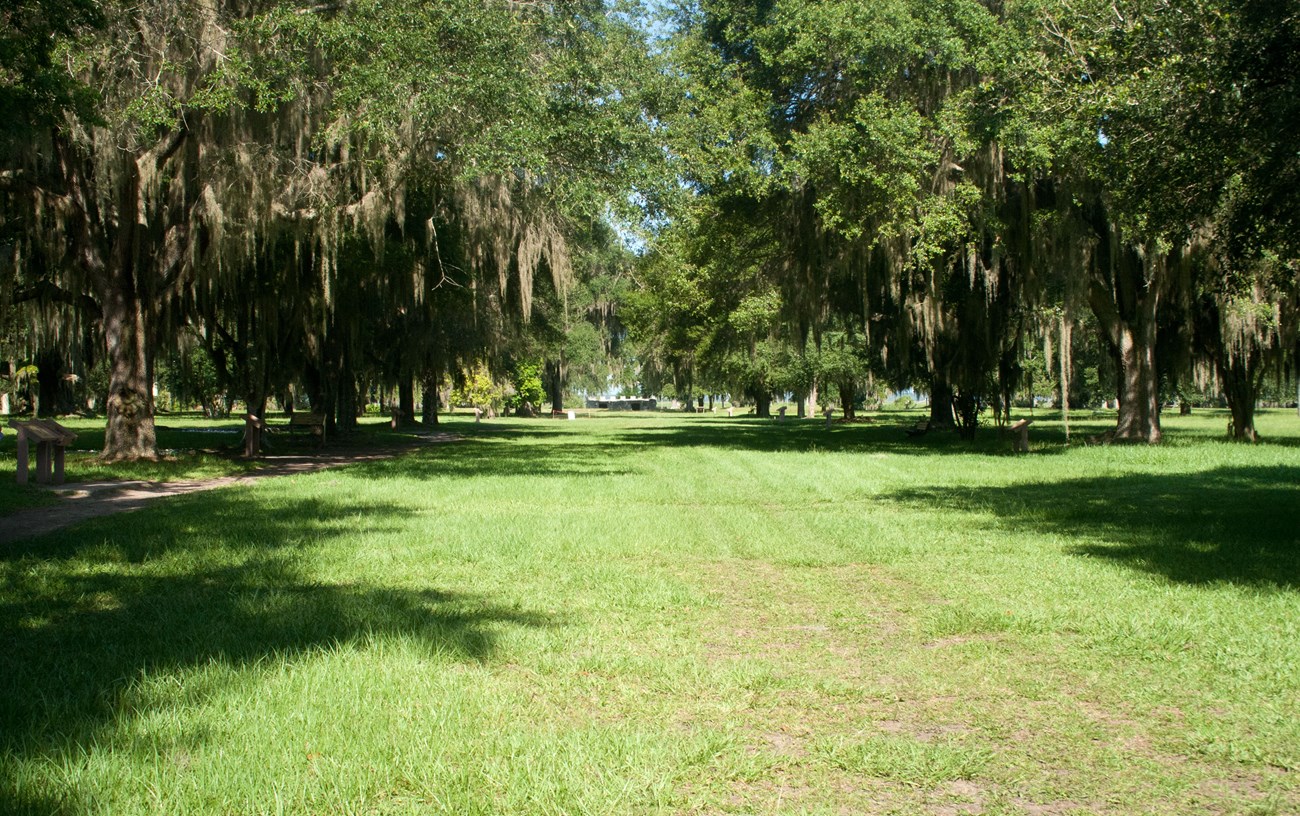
(938,177)
(862,138)
(240,159)
(1164,117)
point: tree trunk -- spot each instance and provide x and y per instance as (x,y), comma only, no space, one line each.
(429,416)
(966,415)
(848,390)
(555,384)
(130,432)
(940,403)
(1241,380)
(1124,292)
(762,403)
(1139,395)
(256,405)
(1133,343)
(345,409)
(406,400)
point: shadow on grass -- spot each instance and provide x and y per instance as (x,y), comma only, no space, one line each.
(882,435)
(1237,525)
(538,447)
(217,578)
(500,454)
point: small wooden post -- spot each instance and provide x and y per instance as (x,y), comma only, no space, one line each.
(22,456)
(830,414)
(58,464)
(43,461)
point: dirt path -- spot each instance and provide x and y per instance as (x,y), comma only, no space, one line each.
(82,501)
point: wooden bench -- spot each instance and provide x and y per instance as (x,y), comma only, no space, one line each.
(312,422)
(51,439)
(921,428)
(1021,430)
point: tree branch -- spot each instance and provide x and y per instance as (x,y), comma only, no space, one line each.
(50,292)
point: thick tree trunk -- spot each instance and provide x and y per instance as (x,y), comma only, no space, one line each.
(554,374)
(406,400)
(848,391)
(940,403)
(1134,345)
(429,415)
(762,403)
(130,432)
(1241,381)
(345,409)
(1139,398)
(1125,292)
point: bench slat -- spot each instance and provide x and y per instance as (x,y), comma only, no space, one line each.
(43,430)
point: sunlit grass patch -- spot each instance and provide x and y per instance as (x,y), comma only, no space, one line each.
(905,758)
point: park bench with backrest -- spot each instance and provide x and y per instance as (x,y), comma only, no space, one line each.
(315,423)
(921,428)
(51,440)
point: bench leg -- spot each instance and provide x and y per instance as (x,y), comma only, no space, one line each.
(22,458)
(58,465)
(43,462)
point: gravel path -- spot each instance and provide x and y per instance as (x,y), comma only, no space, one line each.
(81,501)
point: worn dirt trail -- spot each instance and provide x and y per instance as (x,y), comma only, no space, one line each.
(81,501)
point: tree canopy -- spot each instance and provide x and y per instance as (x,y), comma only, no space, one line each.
(307,201)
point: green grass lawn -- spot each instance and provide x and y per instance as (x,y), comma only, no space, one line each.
(652,614)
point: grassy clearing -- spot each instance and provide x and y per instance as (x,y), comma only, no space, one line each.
(678,615)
